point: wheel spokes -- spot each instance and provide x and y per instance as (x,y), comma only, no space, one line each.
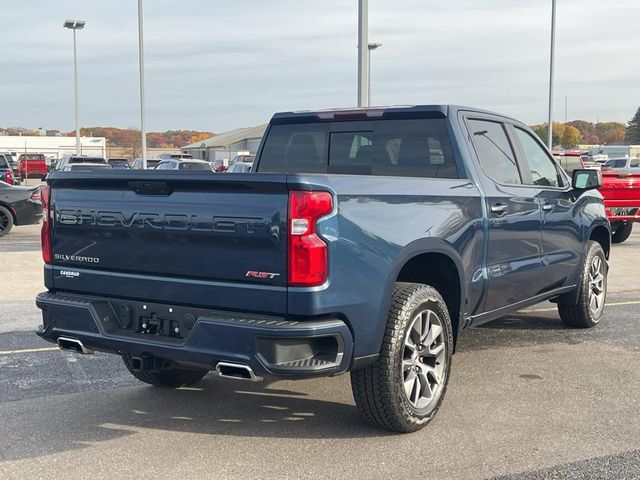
(422,361)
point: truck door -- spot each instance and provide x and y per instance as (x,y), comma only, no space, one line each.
(561,234)
(514,247)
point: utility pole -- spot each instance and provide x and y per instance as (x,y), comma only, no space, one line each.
(551,62)
(566,115)
(371,48)
(143,128)
(363,53)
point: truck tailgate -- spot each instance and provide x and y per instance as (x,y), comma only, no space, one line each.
(621,192)
(179,227)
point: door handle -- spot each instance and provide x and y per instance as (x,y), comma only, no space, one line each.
(547,207)
(499,209)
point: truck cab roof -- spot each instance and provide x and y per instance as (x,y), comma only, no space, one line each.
(404,111)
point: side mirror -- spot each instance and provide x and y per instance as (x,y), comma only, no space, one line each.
(586,179)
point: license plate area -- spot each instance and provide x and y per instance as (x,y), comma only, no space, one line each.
(154,321)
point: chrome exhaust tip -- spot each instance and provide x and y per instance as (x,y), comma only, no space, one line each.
(73,344)
(236,371)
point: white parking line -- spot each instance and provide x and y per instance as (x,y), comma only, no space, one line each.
(28,350)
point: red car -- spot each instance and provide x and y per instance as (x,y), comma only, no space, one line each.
(32,165)
(621,192)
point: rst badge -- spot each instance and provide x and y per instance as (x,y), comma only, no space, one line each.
(253,274)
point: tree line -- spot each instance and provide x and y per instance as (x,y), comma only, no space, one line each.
(123,137)
(581,132)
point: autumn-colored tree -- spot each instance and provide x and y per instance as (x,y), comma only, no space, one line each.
(542,132)
(570,136)
(589,133)
(610,132)
(130,137)
(632,132)
(200,137)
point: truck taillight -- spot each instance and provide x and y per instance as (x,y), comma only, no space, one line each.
(45,233)
(9,177)
(308,257)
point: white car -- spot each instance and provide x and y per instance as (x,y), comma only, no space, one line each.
(75,167)
(67,161)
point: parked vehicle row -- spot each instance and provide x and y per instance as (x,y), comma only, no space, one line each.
(620,187)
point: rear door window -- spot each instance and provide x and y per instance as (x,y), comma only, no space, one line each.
(411,148)
(544,172)
(494,151)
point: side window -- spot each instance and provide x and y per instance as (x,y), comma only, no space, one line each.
(544,172)
(635,163)
(494,151)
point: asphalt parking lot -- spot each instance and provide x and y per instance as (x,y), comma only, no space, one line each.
(529,398)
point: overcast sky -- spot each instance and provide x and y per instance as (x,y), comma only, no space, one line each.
(217,65)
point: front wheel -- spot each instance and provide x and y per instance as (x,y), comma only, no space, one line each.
(403,389)
(592,291)
(169,377)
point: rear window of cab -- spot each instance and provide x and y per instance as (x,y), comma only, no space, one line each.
(407,148)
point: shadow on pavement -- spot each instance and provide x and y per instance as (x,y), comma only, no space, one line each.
(213,406)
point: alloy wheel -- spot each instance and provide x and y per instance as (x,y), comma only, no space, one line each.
(423,360)
(597,286)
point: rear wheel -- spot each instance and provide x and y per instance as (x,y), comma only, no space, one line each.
(6,221)
(403,389)
(592,294)
(622,232)
(170,377)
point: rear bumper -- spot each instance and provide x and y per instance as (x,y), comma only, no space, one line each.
(269,345)
(30,214)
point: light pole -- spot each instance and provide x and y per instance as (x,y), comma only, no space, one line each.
(370,48)
(551,61)
(363,42)
(75,25)
(143,128)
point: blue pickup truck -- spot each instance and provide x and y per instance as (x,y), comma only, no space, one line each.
(365,240)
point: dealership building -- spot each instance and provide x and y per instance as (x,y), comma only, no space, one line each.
(227,145)
(56,147)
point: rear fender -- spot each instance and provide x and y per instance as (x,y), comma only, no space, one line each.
(412,250)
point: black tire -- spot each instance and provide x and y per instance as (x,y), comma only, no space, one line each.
(6,221)
(170,377)
(379,389)
(581,314)
(622,232)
